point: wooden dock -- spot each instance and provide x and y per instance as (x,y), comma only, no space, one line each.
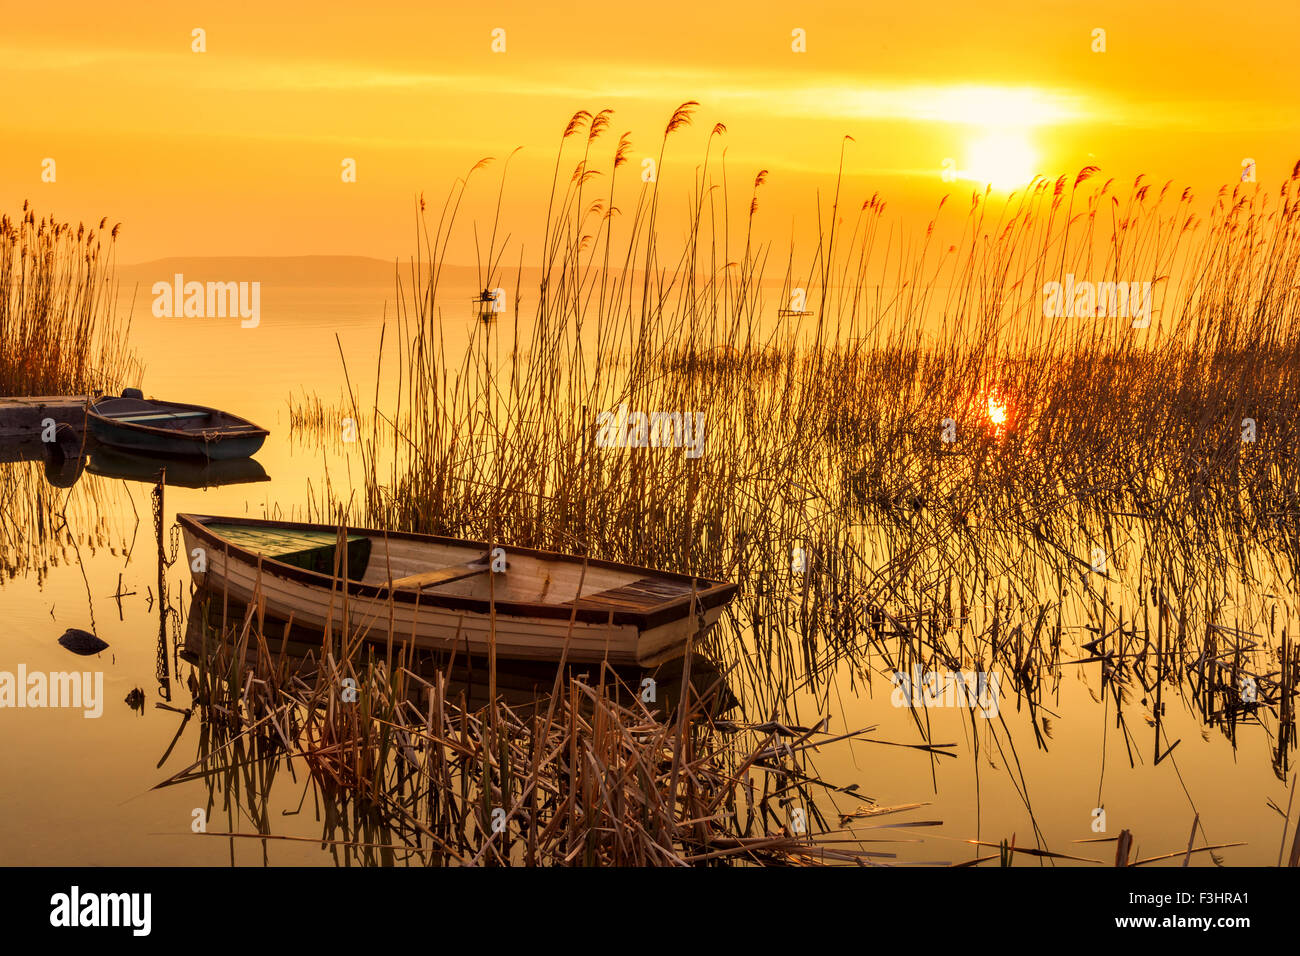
(24,416)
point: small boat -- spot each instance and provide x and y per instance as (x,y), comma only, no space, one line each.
(487,305)
(171,428)
(450,594)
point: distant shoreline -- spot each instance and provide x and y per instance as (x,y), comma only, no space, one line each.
(316,270)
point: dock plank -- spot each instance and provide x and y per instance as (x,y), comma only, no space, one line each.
(23,416)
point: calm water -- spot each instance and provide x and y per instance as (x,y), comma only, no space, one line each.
(78,790)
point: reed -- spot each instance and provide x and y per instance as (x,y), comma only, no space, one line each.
(60,333)
(314,421)
(584,771)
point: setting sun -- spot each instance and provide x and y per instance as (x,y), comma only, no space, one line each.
(1003,159)
(997,411)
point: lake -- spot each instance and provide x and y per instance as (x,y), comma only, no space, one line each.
(1067,734)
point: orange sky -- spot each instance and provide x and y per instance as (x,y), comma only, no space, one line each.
(237,151)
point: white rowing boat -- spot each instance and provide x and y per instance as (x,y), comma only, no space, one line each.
(448,593)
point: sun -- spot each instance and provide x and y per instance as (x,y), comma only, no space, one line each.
(1003,159)
(997,410)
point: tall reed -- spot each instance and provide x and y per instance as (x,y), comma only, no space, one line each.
(60,333)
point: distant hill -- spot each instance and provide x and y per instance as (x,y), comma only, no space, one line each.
(285,270)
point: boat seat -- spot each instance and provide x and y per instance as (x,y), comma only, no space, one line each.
(156,416)
(457,572)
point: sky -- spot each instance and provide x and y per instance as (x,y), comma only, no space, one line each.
(238,150)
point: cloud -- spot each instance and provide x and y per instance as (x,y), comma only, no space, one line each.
(827,97)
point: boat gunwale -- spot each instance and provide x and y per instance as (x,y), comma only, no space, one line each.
(717,593)
(244,428)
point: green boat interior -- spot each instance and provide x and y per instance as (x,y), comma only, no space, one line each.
(309,550)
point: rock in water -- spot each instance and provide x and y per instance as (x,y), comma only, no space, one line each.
(82,642)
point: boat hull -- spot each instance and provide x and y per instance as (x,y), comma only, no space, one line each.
(223,449)
(213,435)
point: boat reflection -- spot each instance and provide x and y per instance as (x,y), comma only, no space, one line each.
(181,473)
(218,624)
(66,460)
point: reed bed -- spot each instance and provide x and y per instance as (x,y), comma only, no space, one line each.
(850,406)
(583,772)
(919,466)
(60,333)
(44,526)
(412,769)
(310,414)
(826,432)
